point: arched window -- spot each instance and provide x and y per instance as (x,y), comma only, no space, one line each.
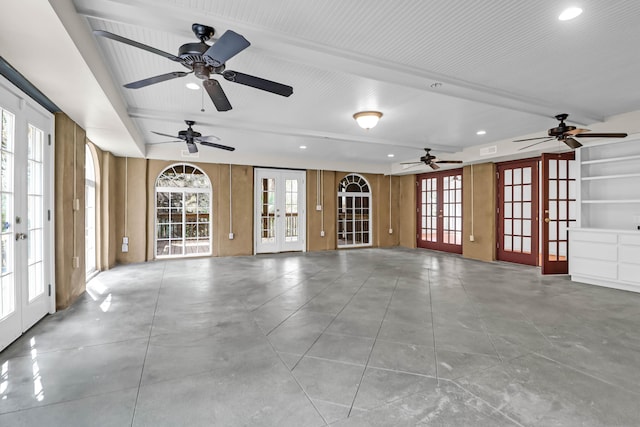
(183,212)
(354,212)
(90,213)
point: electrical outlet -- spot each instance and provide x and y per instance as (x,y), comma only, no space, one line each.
(318,207)
(125,240)
(125,247)
(76,262)
(76,204)
(391,231)
(230,236)
(322,233)
(472,238)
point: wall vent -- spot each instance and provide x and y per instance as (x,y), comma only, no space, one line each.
(186,153)
(486,151)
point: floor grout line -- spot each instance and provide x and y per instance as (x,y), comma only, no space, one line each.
(135,403)
(355,396)
(334,318)
(433,327)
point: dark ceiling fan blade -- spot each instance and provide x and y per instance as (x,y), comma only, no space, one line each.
(448,161)
(164,134)
(531,145)
(156,79)
(220,146)
(227,46)
(163,142)
(434,166)
(258,83)
(217,95)
(600,135)
(134,43)
(191,146)
(530,139)
(571,142)
(411,163)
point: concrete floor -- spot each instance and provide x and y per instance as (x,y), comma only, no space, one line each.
(388,337)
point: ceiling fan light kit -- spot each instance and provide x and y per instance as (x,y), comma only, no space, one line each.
(367,119)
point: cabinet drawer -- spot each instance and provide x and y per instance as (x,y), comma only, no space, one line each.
(629,273)
(630,254)
(630,239)
(586,236)
(597,251)
(593,268)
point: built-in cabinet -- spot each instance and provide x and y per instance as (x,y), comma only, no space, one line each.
(605,247)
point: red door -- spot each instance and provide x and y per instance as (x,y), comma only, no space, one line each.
(518,211)
(440,211)
(559,210)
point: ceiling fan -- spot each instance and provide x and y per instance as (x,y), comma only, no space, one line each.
(568,134)
(431,160)
(204,60)
(191,137)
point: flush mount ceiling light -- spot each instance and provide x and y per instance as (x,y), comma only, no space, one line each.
(367,119)
(192,86)
(570,13)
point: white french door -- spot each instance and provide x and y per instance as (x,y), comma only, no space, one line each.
(26,187)
(279,210)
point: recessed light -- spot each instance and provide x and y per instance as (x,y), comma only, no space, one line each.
(303,147)
(481,132)
(390,155)
(570,13)
(192,86)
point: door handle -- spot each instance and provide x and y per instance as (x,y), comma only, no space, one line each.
(546,220)
(21,236)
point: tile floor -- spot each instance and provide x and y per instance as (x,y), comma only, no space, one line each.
(371,337)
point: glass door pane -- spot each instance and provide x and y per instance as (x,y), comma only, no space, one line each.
(440,211)
(35,212)
(7,276)
(518,211)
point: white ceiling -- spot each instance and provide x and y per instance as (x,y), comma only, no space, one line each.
(506,67)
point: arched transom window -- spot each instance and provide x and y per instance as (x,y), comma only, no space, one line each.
(354,212)
(183,212)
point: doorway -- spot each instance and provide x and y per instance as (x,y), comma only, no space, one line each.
(517,211)
(530,189)
(26,188)
(280,200)
(440,211)
(354,212)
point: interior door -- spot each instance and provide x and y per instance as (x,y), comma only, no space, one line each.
(279,210)
(518,211)
(559,193)
(25,192)
(440,211)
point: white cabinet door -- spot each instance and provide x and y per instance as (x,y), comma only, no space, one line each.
(279,210)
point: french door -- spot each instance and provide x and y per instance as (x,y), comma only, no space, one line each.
(518,211)
(440,211)
(279,210)
(25,203)
(559,193)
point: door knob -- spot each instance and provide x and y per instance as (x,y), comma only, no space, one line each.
(21,236)
(546,220)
